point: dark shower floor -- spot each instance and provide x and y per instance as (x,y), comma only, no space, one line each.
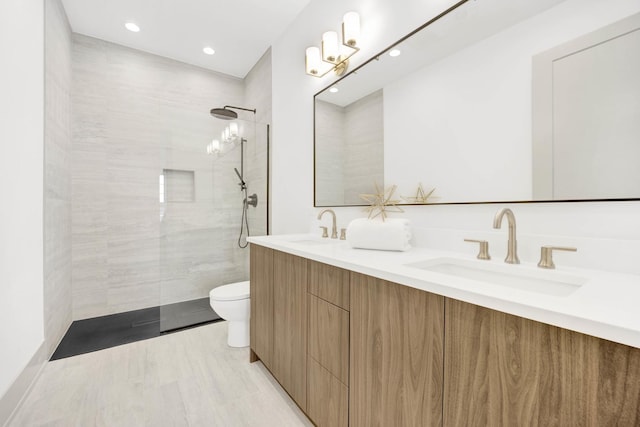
(98,333)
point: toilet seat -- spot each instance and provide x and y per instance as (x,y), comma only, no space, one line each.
(232,292)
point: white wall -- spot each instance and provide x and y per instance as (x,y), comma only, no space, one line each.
(607,234)
(21,185)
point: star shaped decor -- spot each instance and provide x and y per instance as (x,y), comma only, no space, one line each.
(421,196)
(381,202)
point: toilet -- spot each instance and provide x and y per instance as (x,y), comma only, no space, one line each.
(231,302)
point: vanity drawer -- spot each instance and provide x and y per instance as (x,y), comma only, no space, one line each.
(327,398)
(329,337)
(329,283)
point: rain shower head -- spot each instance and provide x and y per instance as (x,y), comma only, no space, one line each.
(225,113)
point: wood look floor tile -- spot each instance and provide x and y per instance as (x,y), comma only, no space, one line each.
(190,378)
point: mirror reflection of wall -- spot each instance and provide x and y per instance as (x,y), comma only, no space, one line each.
(586,116)
(349,149)
(462,122)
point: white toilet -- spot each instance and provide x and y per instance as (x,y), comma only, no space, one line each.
(231,302)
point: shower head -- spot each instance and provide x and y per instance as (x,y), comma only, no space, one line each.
(225,113)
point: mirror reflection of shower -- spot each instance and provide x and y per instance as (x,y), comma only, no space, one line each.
(229,138)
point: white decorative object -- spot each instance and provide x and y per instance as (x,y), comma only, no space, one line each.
(393,234)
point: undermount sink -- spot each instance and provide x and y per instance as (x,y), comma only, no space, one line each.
(513,276)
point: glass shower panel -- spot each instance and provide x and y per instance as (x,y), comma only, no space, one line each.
(201,205)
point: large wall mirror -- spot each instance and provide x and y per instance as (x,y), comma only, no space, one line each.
(495,101)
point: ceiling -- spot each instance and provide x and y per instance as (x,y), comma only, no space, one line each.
(239,31)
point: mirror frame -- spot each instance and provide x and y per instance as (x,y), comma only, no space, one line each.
(376,57)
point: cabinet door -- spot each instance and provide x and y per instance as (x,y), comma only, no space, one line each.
(396,352)
(261,285)
(329,337)
(505,370)
(290,324)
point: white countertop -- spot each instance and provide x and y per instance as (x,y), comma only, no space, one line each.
(606,305)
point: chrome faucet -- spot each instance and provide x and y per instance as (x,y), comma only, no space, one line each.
(334,229)
(512,249)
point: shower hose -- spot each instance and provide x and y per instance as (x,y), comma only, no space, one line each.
(244,222)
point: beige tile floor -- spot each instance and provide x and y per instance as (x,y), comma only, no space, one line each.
(189,378)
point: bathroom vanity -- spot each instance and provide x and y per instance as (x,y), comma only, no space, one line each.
(365,338)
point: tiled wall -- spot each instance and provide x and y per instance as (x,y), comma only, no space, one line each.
(364,148)
(330,147)
(57,179)
(134,115)
(257,94)
(351,157)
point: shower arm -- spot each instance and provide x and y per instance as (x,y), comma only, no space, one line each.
(239,108)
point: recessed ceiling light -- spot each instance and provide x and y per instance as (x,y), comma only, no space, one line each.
(132,27)
(333,90)
(208,50)
(395,52)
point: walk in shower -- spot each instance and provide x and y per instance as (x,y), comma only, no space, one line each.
(210,196)
(162,212)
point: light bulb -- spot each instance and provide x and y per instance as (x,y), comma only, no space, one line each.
(330,48)
(351,28)
(312,58)
(131,26)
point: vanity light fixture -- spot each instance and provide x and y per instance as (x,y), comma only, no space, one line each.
(208,50)
(132,26)
(334,55)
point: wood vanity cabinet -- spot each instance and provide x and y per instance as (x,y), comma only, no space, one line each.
(504,370)
(290,324)
(261,289)
(279,317)
(396,371)
(354,350)
(328,345)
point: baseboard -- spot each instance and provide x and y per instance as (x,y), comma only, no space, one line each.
(13,398)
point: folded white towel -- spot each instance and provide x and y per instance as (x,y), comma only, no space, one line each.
(391,235)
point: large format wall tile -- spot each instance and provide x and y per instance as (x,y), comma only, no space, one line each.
(136,115)
(57,175)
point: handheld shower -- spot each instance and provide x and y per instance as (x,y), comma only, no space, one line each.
(243,185)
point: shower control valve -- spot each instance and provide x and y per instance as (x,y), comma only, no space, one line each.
(252,200)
